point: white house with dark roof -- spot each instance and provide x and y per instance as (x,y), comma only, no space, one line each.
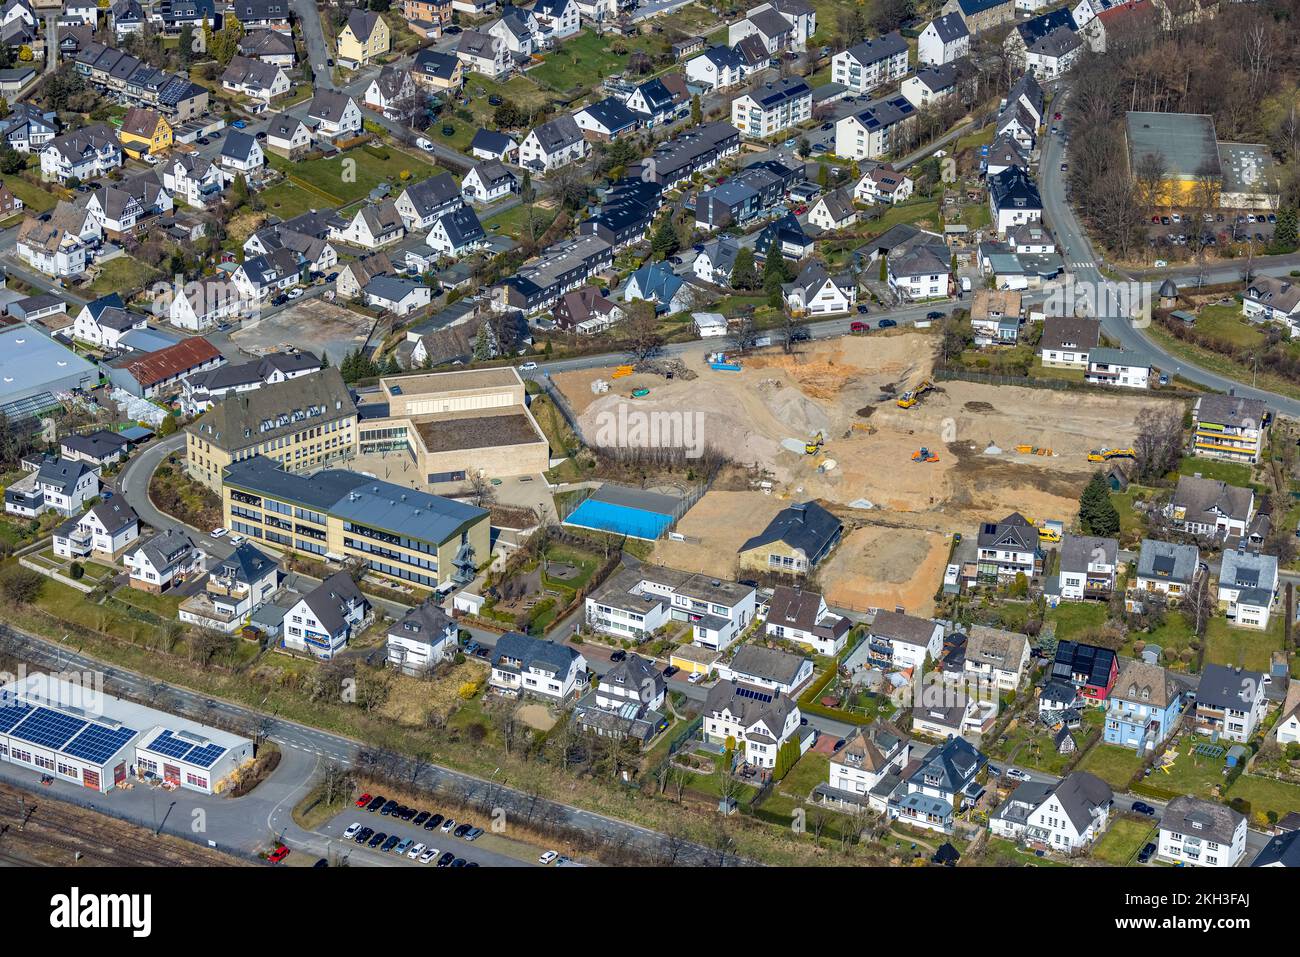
(287,135)
(420,204)
(767,668)
(373,226)
(255,79)
(871,63)
(1199,833)
(944,39)
(522,665)
(103,531)
(606,120)
(1067,816)
(487,182)
(883,184)
(815,292)
(899,641)
(392,93)
(192,178)
(261,277)
(1067,340)
(1208,507)
(555,143)
(241,154)
(930,85)
(424,637)
(833,210)
(484,53)
(1013,199)
(1270,299)
(104,321)
(637,602)
(56,485)
(1287,729)
(867,769)
(456,233)
(98,448)
(333,115)
(235,587)
(164,560)
(946,782)
(801,616)
(557,19)
(1088,566)
(757,720)
(322,621)
(85,153)
(1230,702)
(772,107)
(1248,587)
(634,680)
(1165,568)
(396,294)
(493,145)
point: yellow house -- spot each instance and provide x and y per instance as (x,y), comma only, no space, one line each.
(364,37)
(144,131)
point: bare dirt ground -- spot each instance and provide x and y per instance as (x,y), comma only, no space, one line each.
(536,716)
(846,388)
(311,324)
(882,567)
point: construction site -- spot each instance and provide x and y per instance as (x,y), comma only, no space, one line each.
(860,424)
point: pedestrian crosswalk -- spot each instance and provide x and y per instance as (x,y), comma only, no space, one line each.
(1083,265)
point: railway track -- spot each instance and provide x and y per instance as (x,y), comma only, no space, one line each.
(99,839)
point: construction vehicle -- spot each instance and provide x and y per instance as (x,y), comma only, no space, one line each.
(924,455)
(913,396)
(1105,455)
(814,445)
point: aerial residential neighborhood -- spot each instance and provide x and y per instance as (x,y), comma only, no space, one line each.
(610,433)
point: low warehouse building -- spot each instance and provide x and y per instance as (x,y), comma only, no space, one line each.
(196,758)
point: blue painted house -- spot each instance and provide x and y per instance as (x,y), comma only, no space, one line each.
(1144,705)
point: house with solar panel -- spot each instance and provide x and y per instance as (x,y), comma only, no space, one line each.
(947,781)
(1088,669)
(757,721)
(84,736)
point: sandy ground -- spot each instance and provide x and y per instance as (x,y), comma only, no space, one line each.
(536,716)
(883,567)
(722,521)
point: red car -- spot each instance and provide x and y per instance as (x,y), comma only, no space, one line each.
(1057,116)
(800,210)
(858,327)
(363,800)
(279,854)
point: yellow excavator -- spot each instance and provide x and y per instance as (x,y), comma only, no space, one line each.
(913,396)
(814,445)
(1105,455)
(1047,531)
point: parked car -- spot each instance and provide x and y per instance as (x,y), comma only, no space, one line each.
(424,144)
(279,854)
(1016,774)
(1146,853)
(295,293)
(448,825)
(353,830)
(671,670)
(859,327)
(446,859)
(428,855)
(528,367)
(547,857)
(474,833)
(863,308)
(237,539)
(375,803)
(403,847)
(421,817)
(378,839)
(1142,807)
(389,808)
(461,830)
(934,315)
(886,324)
(388,845)
(365,834)
(433,822)
(415,852)
(696,677)
(220,532)
(1164,379)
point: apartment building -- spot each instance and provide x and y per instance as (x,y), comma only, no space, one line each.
(637,602)
(772,108)
(871,63)
(1229,427)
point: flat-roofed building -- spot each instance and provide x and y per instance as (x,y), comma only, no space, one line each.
(397,532)
(456,423)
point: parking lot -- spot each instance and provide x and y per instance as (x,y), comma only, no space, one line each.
(1216,229)
(453,843)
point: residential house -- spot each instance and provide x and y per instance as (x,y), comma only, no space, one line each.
(637,602)
(322,621)
(1088,566)
(493,145)
(556,143)
(102,532)
(1229,427)
(981,15)
(255,79)
(995,316)
(868,768)
(920,267)
(1067,816)
(833,210)
(899,641)
(1067,340)
(1230,703)
(1210,508)
(397,295)
(263,277)
(606,120)
(883,184)
(364,36)
(794,541)
(354,276)
(1200,833)
(815,292)
(270,14)
(1248,587)
(424,637)
(774,31)
(518,28)
(930,85)
(1117,367)
(716,262)
(287,136)
(694,150)
(163,561)
(54,245)
(161,372)
(772,107)
(487,182)
(794,614)
(334,116)
(944,39)
(99,448)
(1287,729)
(1008,548)
(104,321)
(437,71)
(945,783)
(144,132)
(1013,199)
(657,283)
(28,128)
(1164,568)
(758,722)
(241,154)
(1144,706)
(871,63)
(719,67)
(873,132)
(1270,299)
(202,390)
(1089,670)
(484,53)
(996,657)
(525,665)
(560,267)
(586,311)
(393,93)
(1005,153)
(269,46)
(193,179)
(83,154)
(784,236)
(372,226)
(236,587)
(557,19)
(660,100)
(767,668)
(421,204)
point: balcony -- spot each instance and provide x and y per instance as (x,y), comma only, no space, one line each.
(80,543)
(227,588)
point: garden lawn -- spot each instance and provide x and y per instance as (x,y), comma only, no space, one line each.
(1234,473)
(1132,523)
(1003,853)
(321,181)
(1113,764)
(123,275)
(1120,844)
(1074,617)
(514,221)
(164,606)
(1244,647)
(1191,773)
(1227,324)
(68,604)
(1266,794)
(34,197)
(1174,636)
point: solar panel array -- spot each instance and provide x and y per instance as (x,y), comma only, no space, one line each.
(200,755)
(71,735)
(97,743)
(11,712)
(48,729)
(755,695)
